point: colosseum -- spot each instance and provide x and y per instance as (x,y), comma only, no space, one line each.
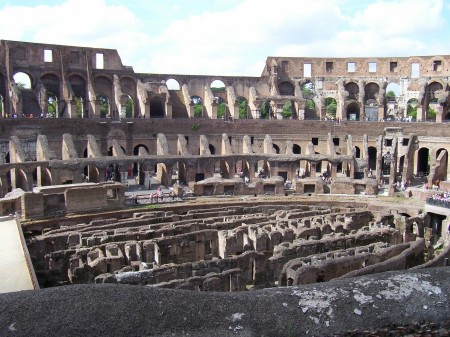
(316,193)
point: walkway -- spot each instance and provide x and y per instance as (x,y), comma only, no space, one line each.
(15,273)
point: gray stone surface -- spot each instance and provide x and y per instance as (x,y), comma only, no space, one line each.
(388,304)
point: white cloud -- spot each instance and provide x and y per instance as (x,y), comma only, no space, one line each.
(235,41)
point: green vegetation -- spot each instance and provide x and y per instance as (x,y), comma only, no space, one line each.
(309,104)
(129,108)
(20,85)
(221,109)
(307,90)
(195,126)
(198,110)
(52,106)
(79,107)
(287,110)
(390,94)
(330,106)
(411,109)
(431,113)
(217,89)
(243,105)
(265,109)
(104,105)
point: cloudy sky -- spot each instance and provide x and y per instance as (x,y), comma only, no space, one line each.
(231,37)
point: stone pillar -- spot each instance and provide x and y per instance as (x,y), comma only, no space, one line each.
(313,169)
(379,172)
(420,113)
(3,185)
(333,170)
(439,114)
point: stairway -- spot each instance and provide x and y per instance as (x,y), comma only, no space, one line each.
(30,104)
(178,108)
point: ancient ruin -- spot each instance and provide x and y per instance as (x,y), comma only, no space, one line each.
(319,169)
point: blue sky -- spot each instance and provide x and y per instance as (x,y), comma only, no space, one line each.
(231,37)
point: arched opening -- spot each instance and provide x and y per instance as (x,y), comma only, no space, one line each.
(22,80)
(423,162)
(357,152)
(221,107)
(157,107)
(52,105)
(288,110)
(105,111)
(353,111)
(277,148)
(242,169)
(372,157)
(217,86)
(243,107)
(310,109)
(263,169)
(198,106)
(265,109)
(286,89)
(172,84)
(411,108)
(296,149)
(353,91)
(128,107)
(212,149)
(221,169)
(330,108)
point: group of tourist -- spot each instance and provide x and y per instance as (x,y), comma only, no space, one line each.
(440,199)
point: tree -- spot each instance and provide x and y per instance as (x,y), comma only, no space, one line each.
(265,109)
(198,110)
(431,113)
(243,105)
(287,110)
(20,85)
(390,93)
(309,104)
(104,105)
(221,109)
(330,106)
(412,111)
(52,106)
(79,107)
(129,108)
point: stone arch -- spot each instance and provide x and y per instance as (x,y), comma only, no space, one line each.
(286,88)
(51,82)
(411,108)
(173,84)
(263,169)
(23,77)
(423,161)
(157,109)
(198,105)
(52,105)
(243,107)
(296,149)
(105,106)
(212,149)
(330,107)
(357,152)
(277,148)
(371,91)
(353,111)
(222,169)
(242,168)
(266,109)
(353,90)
